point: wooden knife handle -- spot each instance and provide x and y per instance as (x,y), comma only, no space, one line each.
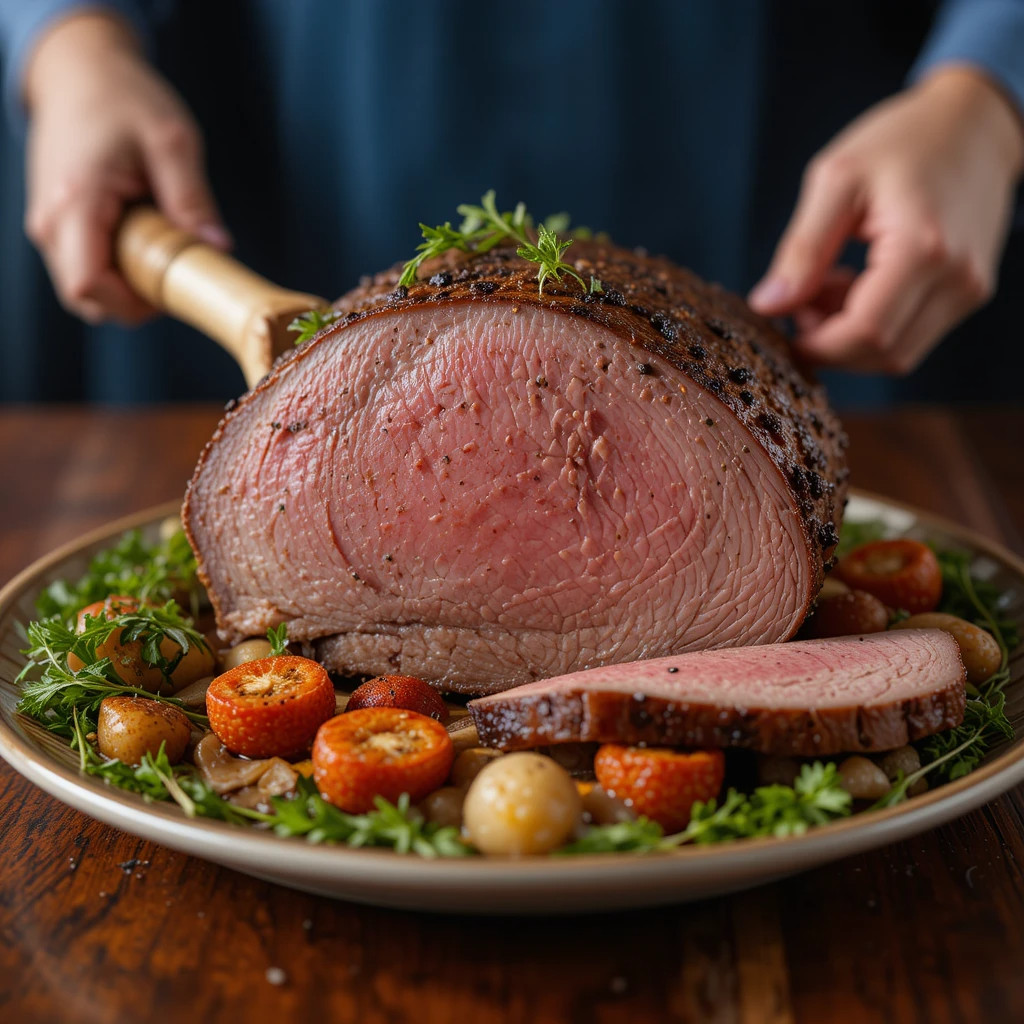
(181,275)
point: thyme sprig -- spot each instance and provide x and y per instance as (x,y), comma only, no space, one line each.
(484,226)
(312,323)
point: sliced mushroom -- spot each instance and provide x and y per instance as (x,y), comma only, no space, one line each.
(279,778)
(225,773)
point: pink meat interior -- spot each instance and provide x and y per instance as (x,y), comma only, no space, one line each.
(527,476)
(853,671)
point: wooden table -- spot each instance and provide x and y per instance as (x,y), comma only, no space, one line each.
(96,925)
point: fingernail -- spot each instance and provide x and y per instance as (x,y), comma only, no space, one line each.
(770,293)
(215,235)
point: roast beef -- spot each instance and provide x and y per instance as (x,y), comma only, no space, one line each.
(479,485)
(809,697)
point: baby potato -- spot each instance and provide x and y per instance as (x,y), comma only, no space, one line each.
(774,770)
(247,650)
(978,649)
(470,763)
(129,727)
(521,804)
(444,806)
(904,759)
(832,587)
(127,657)
(169,527)
(841,614)
(862,778)
(600,807)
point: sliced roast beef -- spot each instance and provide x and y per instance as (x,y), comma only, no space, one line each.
(859,693)
(479,485)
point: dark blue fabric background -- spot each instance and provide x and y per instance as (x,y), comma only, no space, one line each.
(334,127)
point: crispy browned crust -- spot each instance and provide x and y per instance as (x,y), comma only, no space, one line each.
(706,332)
(601,716)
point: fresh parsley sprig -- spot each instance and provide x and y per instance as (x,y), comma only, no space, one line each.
(312,323)
(54,694)
(484,226)
(397,826)
(815,798)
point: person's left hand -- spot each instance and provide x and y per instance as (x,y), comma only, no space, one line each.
(927,180)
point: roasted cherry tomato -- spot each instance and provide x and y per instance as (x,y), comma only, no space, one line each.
(660,783)
(127,658)
(399,692)
(855,611)
(901,573)
(380,752)
(271,707)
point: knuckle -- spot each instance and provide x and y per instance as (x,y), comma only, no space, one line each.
(874,338)
(77,288)
(38,224)
(174,136)
(976,283)
(930,244)
(898,363)
(829,169)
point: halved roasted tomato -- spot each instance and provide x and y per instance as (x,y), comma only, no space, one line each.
(380,752)
(271,707)
(658,782)
(902,573)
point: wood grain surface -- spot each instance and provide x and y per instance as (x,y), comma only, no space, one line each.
(96,925)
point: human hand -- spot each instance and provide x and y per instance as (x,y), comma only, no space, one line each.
(105,130)
(927,180)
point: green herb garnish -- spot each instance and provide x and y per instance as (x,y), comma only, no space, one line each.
(55,695)
(155,778)
(853,535)
(312,323)
(133,568)
(815,798)
(483,227)
(398,826)
(278,640)
(977,601)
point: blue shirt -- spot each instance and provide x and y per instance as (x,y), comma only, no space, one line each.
(334,126)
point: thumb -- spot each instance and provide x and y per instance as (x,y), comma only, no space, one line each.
(173,154)
(827,212)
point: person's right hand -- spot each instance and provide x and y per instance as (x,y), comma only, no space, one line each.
(105,130)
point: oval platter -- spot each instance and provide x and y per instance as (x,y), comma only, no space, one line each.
(542,885)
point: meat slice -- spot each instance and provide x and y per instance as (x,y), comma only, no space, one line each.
(810,697)
(471,483)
